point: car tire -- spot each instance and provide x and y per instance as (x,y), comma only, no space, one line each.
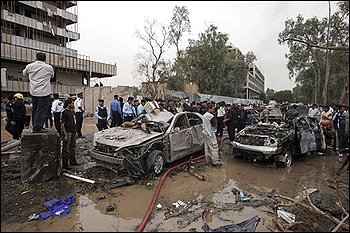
(155,162)
(288,161)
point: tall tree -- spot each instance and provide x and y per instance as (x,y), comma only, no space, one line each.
(283,96)
(154,36)
(269,93)
(208,63)
(179,24)
(312,44)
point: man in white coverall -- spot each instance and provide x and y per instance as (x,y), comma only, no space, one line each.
(210,143)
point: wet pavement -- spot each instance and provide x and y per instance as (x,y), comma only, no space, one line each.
(123,208)
(131,203)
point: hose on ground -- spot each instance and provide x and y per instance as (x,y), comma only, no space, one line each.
(145,219)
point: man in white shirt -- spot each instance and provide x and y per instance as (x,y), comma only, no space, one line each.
(79,113)
(129,110)
(141,108)
(56,109)
(211,147)
(220,118)
(40,75)
(313,111)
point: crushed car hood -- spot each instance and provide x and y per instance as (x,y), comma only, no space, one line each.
(121,137)
(261,133)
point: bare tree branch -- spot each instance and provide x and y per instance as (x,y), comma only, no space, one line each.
(338,48)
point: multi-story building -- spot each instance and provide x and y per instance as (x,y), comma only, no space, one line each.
(28,27)
(255,82)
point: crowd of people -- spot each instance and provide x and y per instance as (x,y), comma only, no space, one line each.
(335,124)
(68,117)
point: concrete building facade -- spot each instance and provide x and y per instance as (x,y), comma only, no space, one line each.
(28,27)
(255,83)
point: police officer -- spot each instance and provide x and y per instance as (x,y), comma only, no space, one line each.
(56,109)
(102,115)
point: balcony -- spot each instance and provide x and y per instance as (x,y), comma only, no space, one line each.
(79,63)
(38,45)
(29,22)
(56,11)
(22,86)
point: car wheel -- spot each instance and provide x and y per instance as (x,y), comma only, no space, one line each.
(155,162)
(288,159)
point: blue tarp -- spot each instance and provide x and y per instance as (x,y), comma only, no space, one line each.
(57,207)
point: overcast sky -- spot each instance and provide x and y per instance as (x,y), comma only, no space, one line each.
(107,31)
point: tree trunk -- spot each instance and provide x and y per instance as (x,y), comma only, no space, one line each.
(344,99)
(325,87)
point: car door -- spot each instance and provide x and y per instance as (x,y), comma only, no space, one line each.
(180,138)
(196,127)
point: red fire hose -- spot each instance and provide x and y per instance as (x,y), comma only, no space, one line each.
(145,219)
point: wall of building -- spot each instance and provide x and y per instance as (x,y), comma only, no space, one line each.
(14,70)
(92,94)
(65,78)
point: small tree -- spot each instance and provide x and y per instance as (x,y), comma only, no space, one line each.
(155,38)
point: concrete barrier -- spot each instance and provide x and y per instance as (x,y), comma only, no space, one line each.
(40,156)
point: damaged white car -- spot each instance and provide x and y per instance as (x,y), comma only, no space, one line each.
(279,143)
(148,143)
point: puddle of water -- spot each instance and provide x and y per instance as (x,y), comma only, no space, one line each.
(132,201)
(310,171)
(91,219)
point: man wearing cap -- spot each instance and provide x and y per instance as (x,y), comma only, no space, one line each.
(40,75)
(19,116)
(79,113)
(129,110)
(56,110)
(116,112)
(102,115)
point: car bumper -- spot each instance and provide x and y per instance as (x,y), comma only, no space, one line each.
(98,156)
(266,150)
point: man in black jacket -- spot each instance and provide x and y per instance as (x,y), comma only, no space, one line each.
(19,116)
(233,122)
(69,131)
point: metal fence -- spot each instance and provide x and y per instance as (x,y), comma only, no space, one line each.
(198,97)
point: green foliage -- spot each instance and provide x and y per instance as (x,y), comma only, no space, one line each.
(283,96)
(179,24)
(269,93)
(307,58)
(263,97)
(208,63)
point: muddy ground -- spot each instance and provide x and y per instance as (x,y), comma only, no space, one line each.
(212,201)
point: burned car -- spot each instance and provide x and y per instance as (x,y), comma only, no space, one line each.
(279,142)
(252,116)
(151,141)
(275,115)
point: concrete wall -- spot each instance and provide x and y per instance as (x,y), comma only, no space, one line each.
(75,79)
(14,70)
(92,94)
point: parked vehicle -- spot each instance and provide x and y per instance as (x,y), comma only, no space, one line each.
(152,141)
(279,142)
